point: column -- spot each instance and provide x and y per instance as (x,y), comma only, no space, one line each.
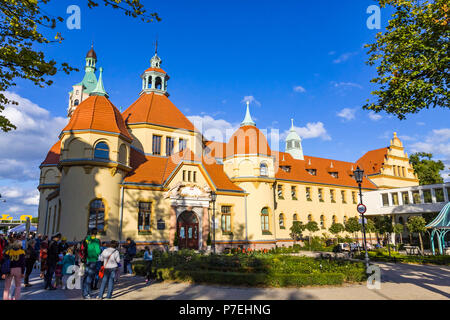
(205,227)
(422,199)
(400,199)
(433,196)
(172,225)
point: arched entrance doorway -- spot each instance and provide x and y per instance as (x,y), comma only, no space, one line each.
(187,230)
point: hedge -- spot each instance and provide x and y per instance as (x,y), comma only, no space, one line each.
(248,279)
(382,256)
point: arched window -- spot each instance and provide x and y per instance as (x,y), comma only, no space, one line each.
(158,83)
(281,218)
(149,82)
(263,169)
(265,219)
(101,151)
(334,219)
(295,217)
(97,215)
(345,219)
(76,102)
(322,221)
(309,217)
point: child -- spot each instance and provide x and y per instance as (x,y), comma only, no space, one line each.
(148,258)
(68,260)
(58,271)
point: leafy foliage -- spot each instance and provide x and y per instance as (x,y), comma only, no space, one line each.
(297,229)
(427,170)
(352,225)
(22,26)
(336,228)
(412,58)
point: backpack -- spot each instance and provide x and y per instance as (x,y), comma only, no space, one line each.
(83,251)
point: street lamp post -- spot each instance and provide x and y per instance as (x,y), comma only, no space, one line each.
(359,174)
(213,199)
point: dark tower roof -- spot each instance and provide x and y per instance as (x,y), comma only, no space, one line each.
(91,54)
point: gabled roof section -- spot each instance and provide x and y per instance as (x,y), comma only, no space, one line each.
(97,113)
(156,109)
(372,161)
(298,171)
(156,170)
(53,155)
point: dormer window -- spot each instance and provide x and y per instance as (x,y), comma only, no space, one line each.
(263,170)
(334,174)
(286,168)
(312,172)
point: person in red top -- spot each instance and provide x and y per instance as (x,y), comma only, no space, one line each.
(43,256)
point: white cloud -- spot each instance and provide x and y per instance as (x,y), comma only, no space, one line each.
(436,142)
(346,85)
(374,116)
(251,99)
(344,57)
(214,129)
(299,89)
(347,114)
(310,131)
(22,151)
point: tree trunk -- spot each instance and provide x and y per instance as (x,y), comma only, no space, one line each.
(388,244)
(421,243)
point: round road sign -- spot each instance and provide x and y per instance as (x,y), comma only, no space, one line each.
(361,208)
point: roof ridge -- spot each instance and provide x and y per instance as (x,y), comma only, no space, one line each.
(150,107)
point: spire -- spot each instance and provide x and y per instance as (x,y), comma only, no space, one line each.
(99,89)
(294,143)
(248,118)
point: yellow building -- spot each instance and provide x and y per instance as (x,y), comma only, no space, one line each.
(149,174)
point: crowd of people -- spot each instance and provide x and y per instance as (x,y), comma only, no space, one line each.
(99,262)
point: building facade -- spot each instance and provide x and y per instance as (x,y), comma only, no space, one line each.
(149,174)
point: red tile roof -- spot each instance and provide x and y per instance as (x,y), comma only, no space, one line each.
(53,154)
(156,109)
(156,170)
(156,69)
(298,171)
(372,161)
(248,140)
(97,113)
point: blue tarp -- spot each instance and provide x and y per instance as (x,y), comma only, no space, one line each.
(21,228)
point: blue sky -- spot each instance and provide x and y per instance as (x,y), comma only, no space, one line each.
(296,59)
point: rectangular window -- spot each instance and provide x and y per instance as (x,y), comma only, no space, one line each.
(385,199)
(156,147)
(294,192)
(394,199)
(194,176)
(144,216)
(280,191)
(169,146)
(332,196)
(320,195)
(343,196)
(189,176)
(439,193)
(427,196)
(308,194)
(354,197)
(405,197)
(265,222)
(226,218)
(184,175)
(416,197)
(181,144)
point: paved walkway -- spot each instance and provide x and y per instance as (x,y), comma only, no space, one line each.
(399,281)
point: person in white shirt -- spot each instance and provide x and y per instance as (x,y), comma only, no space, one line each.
(111,259)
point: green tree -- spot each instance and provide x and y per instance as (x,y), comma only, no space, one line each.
(297,229)
(398,229)
(336,228)
(411,58)
(25,27)
(428,171)
(352,226)
(311,226)
(417,224)
(384,226)
(35,220)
